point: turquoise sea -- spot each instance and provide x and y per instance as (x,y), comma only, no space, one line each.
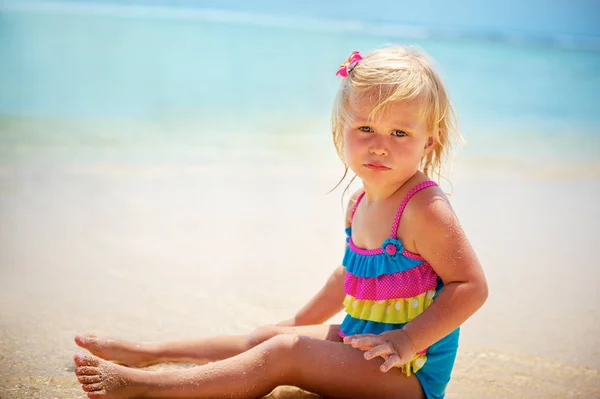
(116,73)
(164,170)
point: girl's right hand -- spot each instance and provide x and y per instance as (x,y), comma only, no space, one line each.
(395,347)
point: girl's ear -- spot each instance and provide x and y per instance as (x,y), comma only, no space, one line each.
(429,144)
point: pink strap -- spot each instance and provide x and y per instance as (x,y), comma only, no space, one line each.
(356,205)
(412,192)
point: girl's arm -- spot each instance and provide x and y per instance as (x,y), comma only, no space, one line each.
(439,238)
(330,299)
(324,305)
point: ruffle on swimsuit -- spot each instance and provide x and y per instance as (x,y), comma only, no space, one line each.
(389,286)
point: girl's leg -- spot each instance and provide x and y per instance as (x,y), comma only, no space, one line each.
(200,351)
(331,369)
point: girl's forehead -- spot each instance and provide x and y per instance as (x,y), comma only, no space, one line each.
(363,107)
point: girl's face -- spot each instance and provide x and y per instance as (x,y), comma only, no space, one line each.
(389,149)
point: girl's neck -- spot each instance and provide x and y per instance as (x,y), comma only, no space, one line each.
(377,193)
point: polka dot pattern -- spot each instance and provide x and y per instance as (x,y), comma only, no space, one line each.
(405,284)
(394,234)
(386,287)
(391,311)
(414,365)
(379,251)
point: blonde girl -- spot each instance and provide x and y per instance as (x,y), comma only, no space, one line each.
(409,276)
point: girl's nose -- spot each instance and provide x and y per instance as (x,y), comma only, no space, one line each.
(378,150)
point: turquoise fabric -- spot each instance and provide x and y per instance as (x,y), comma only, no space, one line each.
(376,265)
(435,373)
(353,326)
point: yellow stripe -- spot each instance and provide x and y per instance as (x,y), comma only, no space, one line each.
(414,365)
(390,311)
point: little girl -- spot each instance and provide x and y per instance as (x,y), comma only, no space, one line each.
(409,277)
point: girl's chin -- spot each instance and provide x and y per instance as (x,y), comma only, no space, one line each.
(374,180)
(382,179)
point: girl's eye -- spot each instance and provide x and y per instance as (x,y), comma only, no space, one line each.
(399,133)
(365,129)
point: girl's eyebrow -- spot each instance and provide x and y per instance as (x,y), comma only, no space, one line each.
(395,125)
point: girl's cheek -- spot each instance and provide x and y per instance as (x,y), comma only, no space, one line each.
(353,142)
(350,150)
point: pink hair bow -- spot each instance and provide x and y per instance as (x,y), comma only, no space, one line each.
(349,64)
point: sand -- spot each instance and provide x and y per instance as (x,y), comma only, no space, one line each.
(171,250)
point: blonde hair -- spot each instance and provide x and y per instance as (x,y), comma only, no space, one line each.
(397,74)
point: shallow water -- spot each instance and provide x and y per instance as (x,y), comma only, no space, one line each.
(149,194)
(155,247)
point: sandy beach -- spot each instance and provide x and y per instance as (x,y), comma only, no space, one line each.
(170,249)
(165,169)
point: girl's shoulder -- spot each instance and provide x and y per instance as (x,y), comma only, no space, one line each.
(428,208)
(350,207)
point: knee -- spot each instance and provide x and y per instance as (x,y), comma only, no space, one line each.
(282,343)
(279,352)
(262,334)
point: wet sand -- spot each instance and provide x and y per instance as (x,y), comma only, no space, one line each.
(166,250)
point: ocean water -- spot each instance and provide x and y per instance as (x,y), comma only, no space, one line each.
(163,171)
(108,72)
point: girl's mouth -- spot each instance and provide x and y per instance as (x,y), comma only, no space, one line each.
(376,166)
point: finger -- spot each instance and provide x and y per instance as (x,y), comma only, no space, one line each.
(367,341)
(380,350)
(364,348)
(363,343)
(392,361)
(348,339)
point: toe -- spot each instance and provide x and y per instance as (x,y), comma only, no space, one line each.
(86,370)
(97,394)
(92,387)
(89,379)
(85,340)
(80,339)
(86,360)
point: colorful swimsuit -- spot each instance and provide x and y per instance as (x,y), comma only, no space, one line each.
(389,286)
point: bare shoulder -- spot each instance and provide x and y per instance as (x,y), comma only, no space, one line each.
(436,234)
(351,205)
(429,208)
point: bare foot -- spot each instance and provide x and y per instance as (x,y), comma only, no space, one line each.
(119,351)
(103,380)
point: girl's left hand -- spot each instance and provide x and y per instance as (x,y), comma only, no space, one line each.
(393,346)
